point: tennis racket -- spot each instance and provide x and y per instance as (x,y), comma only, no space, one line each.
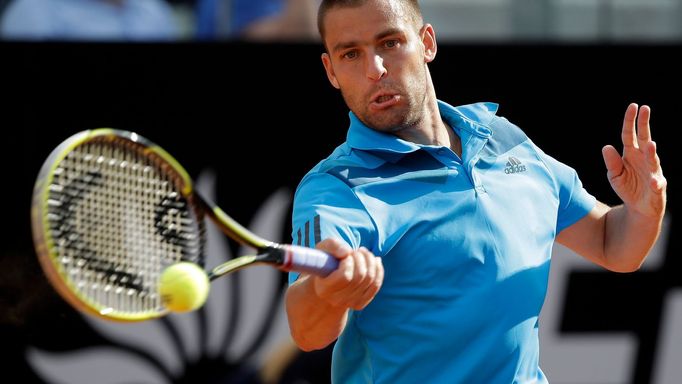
(111,210)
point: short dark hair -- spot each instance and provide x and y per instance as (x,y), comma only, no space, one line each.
(327,5)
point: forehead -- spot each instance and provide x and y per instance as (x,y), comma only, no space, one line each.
(365,21)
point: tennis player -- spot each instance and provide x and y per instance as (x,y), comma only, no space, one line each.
(444,217)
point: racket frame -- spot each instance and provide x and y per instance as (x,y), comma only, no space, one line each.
(268,252)
(43,240)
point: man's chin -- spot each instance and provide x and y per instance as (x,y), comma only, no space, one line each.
(387,127)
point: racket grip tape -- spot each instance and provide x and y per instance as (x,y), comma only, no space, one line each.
(308,260)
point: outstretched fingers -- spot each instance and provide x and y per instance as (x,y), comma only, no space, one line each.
(651,155)
(658,181)
(643,128)
(628,134)
(613,162)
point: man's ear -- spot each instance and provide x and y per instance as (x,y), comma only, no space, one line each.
(327,62)
(428,36)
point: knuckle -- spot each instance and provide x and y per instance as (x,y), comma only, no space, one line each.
(362,271)
(348,275)
(372,274)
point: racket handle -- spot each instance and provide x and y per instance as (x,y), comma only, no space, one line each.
(308,260)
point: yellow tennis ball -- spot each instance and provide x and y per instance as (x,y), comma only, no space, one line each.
(183,287)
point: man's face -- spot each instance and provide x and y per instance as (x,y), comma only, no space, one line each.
(376,58)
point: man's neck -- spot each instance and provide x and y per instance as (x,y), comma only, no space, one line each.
(433,130)
(455,144)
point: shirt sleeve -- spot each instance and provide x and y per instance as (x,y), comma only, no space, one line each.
(574,201)
(325,207)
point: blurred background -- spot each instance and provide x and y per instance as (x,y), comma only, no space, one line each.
(235,90)
(591,21)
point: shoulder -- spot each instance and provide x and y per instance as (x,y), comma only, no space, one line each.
(481,113)
(340,165)
(483,119)
(505,134)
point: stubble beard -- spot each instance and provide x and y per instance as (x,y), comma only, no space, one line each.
(406,115)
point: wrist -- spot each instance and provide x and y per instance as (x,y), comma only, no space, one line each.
(652,217)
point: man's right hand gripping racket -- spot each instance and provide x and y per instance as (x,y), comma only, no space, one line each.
(112,211)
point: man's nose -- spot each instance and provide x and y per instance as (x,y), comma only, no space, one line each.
(375,67)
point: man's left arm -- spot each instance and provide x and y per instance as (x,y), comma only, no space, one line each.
(619,238)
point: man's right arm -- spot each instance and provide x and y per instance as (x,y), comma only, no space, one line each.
(317,307)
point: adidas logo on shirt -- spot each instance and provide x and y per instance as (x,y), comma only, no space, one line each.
(514,166)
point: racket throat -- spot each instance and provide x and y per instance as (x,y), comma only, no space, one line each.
(270,255)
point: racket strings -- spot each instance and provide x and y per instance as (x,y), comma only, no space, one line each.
(117,220)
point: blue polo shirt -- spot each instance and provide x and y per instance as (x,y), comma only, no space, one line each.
(465,243)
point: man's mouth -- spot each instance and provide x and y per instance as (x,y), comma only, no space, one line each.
(383,101)
(383,98)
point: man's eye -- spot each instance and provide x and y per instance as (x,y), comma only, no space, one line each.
(350,55)
(391,43)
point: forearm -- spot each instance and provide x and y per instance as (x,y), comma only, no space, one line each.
(628,238)
(314,323)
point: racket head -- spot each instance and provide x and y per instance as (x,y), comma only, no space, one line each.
(110,211)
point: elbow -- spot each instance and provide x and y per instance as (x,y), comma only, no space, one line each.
(307,344)
(310,347)
(624,269)
(628,267)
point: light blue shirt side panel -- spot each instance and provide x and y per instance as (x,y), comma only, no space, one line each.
(351,360)
(326,207)
(575,202)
